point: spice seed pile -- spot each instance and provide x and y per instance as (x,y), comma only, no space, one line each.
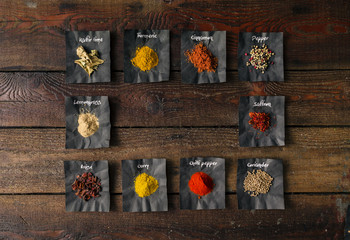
(87,186)
(257,182)
(259,57)
(259,121)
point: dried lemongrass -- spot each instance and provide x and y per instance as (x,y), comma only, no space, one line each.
(88,123)
(88,61)
(257,182)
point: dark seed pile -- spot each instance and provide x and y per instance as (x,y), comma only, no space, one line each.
(87,186)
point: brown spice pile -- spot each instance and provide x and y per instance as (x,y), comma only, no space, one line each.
(257,182)
(87,186)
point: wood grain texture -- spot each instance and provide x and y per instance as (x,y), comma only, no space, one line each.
(312,98)
(316,32)
(310,156)
(173,120)
(43,217)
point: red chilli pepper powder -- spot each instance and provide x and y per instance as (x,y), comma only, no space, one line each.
(201,184)
(259,121)
(87,186)
(201,57)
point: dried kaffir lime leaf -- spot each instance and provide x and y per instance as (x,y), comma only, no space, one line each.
(88,61)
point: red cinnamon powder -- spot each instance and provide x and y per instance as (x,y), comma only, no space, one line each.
(201,57)
(201,184)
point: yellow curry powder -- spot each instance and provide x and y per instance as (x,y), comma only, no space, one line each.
(88,124)
(145,185)
(145,58)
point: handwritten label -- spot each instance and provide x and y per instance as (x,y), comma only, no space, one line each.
(258,165)
(259,39)
(201,38)
(200,163)
(89,39)
(89,103)
(143,166)
(262,103)
(140,35)
(86,167)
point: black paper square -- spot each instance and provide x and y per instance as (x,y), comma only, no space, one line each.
(213,200)
(274,199)
(159,41)
(274,41)
(76,204)
(275,134)
(215,41)
(158,201)
(347,225)
(90,40)
(100,107)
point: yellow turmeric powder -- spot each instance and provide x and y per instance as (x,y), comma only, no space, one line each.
(145,58)
(145,185)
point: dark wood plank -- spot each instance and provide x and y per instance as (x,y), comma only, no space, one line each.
(43,217)
(316,33)
(29,158)
(37,99)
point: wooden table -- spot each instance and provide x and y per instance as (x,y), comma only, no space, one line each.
(174,120)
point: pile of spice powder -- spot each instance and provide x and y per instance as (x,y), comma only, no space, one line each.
(257,182)
(201,184)
(88,61)
(145,185)
(87,124)
(201,57)
(87,186)
(259,121)
(145,58)
(259,57)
